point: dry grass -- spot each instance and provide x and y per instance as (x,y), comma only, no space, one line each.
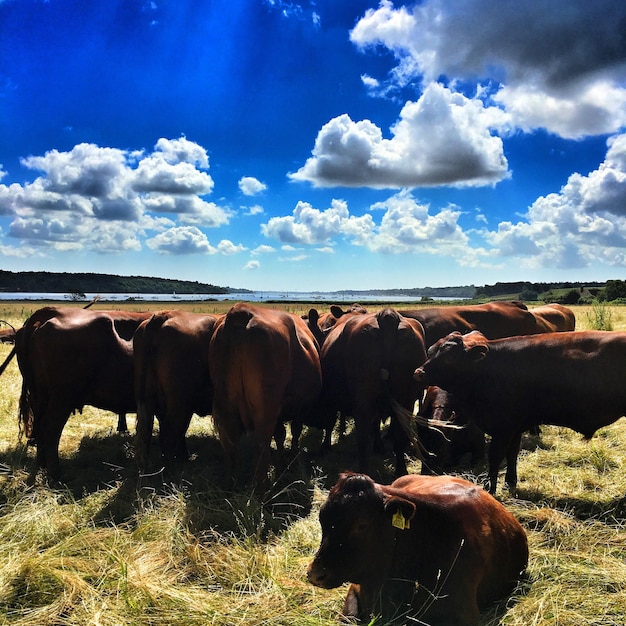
(111,547)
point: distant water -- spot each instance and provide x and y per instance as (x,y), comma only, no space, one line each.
(254,296)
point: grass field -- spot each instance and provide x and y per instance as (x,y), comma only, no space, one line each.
(114,548)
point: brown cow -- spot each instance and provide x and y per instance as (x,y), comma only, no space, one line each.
(69,358)
(554,318)
(508,386)
(172,382)
(493,319)
(459,544)
(447,445)
(320,324)
(265,368)
(367,371)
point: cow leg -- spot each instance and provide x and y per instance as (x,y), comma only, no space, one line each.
(122,426)
(363,426)
(179,424)
(261,469)
(296,431)
(511,463)
(143,435)
(48,438)
(280,434)
(497,451)
(400,443)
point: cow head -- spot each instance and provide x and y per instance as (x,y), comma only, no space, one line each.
(357,522)
(449,356)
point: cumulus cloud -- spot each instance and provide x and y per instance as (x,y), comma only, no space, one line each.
(541,54)
(229,248)
(263,249)
(250,186)
(104,199)
(181,240)
(444,138)
(582,223)
(398,225)
(252,265)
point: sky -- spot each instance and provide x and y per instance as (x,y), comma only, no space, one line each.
(315,145)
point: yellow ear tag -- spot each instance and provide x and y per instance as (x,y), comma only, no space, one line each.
(398,521)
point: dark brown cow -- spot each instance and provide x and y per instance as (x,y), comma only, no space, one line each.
(554,318)
(367,368)
(508,386)
(172,382)
(69,358)
(265,368)
(494,319)
(459,544)
(446,444)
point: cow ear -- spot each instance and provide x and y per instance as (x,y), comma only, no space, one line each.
(477,352)
(400,510)
(337,311)
(313,316)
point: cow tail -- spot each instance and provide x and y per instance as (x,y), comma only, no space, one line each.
(26,416)
(145,419)
(388,322)
(409,422)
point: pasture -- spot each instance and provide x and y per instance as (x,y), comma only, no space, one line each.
(112,547)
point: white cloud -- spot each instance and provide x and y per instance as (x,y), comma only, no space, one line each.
(308,225)
(101,199)
(251,186)
(228,248)
(181,240)
(398,225)
(252,265)
(263,249)
(546,58)
(584,222)
(442,139)
(255,209)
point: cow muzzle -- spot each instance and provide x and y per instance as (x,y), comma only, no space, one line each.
(318,575)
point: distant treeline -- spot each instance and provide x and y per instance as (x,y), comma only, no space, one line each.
(75,283)
(503,289)
(467,291)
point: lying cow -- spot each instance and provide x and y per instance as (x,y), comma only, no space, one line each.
(172,382)
(265,368)
(494,319)
(508,386)
(446,445)
(554,318)
(429,549)
(69,358)
(368,362)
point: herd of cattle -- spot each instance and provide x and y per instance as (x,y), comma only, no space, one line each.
(498,369)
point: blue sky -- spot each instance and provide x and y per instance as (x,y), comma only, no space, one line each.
(314,145)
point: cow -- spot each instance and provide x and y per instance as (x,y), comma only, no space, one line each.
(368,362)
(554,318)
(448,445)
(70,358)
(425,549)
(508,386)
(320,324)
(494,319)
(265,368)
(172,382)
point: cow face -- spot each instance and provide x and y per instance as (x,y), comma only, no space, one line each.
(448,357)
(358,530)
